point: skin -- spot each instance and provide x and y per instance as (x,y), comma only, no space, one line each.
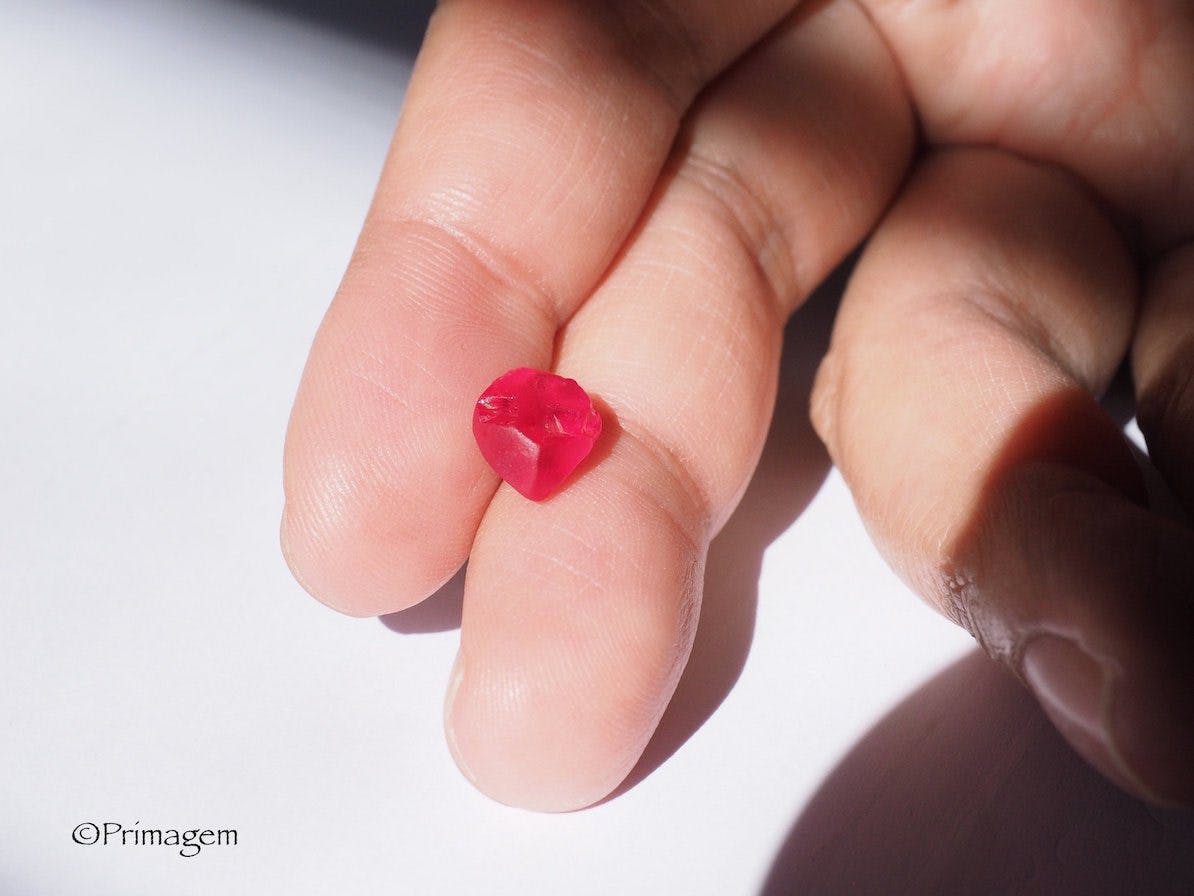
(637,194)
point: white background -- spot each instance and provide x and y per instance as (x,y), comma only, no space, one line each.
(181,185)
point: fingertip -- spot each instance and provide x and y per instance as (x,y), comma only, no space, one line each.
(1076,692)
(347,568)
(579,617)
(455,677)
(522,748)
(1138,731)
(1154,732)
(1100,606)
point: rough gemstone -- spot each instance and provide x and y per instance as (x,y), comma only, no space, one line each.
(534,428)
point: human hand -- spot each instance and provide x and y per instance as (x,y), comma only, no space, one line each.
(636,194)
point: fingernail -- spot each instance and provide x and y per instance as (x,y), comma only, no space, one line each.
(454,680)
(1153,727)
(1075,693)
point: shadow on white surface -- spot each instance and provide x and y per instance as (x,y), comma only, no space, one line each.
(966,787)
(438,613)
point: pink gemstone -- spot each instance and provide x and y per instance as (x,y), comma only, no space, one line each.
(534,428)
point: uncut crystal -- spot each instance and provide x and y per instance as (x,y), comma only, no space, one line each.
(534,428)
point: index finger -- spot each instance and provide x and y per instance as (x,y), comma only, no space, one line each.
(531,137)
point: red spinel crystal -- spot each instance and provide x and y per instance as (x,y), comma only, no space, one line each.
(534,428)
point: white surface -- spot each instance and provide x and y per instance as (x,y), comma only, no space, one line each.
(181,186)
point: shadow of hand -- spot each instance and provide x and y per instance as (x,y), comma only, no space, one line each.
(967,788)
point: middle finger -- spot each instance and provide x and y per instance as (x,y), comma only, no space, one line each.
(580,612)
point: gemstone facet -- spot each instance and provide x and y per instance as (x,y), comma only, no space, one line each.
(534,428)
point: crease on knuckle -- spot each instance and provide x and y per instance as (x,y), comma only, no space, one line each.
(497,263)
(1020,320)
(754,226)
(691,512)
(654,39)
